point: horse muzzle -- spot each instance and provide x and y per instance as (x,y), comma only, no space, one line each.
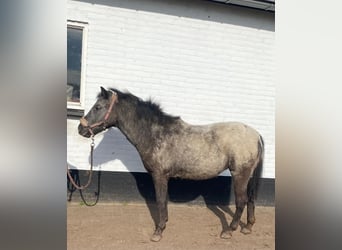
(84,129)
(87,130)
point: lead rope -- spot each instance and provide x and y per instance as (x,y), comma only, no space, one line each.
(80,188)
(92,144)
(97,194)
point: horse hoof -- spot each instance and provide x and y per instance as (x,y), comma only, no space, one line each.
(246,230)
(226,235)
(156,237)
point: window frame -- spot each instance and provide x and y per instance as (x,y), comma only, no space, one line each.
(77,108)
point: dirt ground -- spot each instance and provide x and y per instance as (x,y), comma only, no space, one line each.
(129,226)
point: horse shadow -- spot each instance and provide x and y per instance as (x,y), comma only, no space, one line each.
(215,193)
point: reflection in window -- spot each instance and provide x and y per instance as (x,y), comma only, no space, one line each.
(74,63)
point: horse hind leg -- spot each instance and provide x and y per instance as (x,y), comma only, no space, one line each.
(240,182)
(252,189)
(241,198)
(250,207)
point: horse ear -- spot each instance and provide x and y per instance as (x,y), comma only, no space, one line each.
(104,92)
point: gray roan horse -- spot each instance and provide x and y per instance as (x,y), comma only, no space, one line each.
(170,147)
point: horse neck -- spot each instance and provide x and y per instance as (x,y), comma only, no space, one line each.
(137,130)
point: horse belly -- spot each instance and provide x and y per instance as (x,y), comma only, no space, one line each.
(206,172)
(198,166)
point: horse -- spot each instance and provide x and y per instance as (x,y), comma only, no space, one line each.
(171,148)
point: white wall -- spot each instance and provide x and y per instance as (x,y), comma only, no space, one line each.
(203,61)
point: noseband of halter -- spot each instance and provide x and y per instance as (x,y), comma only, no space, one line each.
(84,122)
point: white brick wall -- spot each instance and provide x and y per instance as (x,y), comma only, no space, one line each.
(203,61)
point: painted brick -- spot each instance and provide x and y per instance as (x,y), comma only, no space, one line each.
(203,61)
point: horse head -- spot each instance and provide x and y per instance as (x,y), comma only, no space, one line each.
(101,116)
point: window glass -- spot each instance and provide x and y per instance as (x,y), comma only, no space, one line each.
(74,64)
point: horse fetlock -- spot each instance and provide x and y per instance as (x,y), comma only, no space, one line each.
(160,227)
(234,225)
(251,221)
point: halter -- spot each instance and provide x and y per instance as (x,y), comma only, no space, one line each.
(84,122)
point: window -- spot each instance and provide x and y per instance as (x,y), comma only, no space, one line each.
(76,33)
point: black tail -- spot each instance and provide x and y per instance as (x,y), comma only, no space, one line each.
(253,183)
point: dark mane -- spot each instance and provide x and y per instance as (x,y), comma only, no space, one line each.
(147,110)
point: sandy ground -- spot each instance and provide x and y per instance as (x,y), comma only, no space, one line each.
(129,226)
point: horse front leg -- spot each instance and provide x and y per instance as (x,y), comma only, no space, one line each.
(160,186)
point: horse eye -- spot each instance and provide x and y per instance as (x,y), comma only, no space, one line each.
(97,107)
